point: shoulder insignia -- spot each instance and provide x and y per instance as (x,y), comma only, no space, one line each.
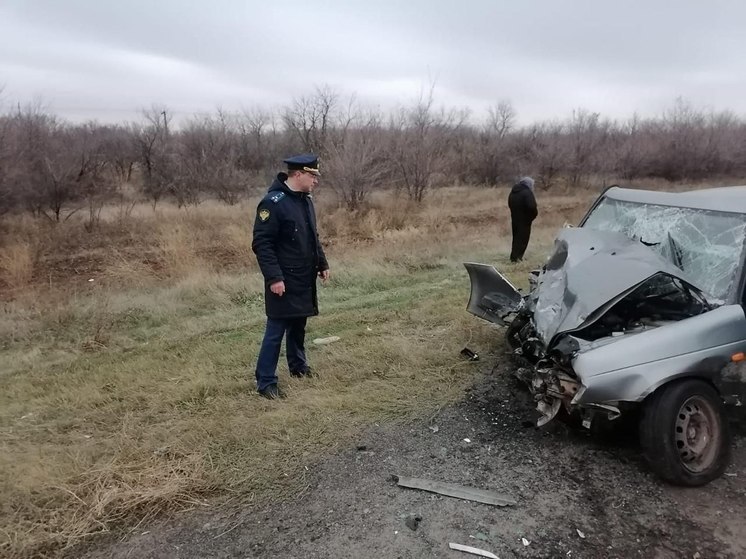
(277,197)
(264,215)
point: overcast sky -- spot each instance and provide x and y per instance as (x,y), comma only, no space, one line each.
(105,60)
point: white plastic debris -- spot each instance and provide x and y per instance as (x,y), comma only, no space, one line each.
(467,440)
(324,341)
(581,534)
(525,542)
(472,550)
(91,279)
(434,428)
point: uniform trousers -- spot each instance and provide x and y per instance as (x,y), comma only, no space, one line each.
(294,332)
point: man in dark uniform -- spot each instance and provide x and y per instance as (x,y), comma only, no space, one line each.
(523,211)
(287,248)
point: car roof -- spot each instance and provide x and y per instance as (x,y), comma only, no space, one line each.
(724,199)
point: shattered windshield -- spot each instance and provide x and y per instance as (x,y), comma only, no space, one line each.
(706,245)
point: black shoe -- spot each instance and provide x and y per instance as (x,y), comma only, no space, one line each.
(271,392)
(307,372)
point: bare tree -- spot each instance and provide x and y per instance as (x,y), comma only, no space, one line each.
(153,143)
(100,179)
(310,118)
(356,162)
(209,160)
(49,167)
(550,153)
(421,138)
(725,144)
(54,169)
(682,140)
(585,134)
(7,193)
(118,146)
(491,158)
(501,119)
(626,153)
(256,129)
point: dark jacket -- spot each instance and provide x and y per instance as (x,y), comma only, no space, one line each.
(287,248)
(523,211)
(522,204)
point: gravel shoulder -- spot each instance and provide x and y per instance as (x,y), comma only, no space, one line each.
(578,496)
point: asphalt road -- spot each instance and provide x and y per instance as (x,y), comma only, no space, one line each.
(578,496)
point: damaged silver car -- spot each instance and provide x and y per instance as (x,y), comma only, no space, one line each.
(638,311)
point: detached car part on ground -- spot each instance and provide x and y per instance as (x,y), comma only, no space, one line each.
(640,309)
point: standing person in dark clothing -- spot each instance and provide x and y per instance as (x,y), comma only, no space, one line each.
(287,248)
(523,211)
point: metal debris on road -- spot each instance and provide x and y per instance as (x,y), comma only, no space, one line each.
(457,491)
(472,550)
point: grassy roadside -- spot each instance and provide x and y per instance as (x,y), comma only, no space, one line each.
(120,405)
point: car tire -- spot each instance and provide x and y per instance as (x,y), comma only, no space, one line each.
(684,433)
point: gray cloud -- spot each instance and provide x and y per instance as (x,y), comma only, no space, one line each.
(92,59)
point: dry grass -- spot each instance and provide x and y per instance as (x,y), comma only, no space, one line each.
(177,248)
(16,265)
(104,435)
(132,395)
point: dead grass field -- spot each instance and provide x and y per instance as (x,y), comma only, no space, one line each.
(126,361)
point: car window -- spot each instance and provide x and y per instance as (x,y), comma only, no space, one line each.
(706,245)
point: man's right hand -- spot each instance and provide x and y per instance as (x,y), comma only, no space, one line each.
(278,288)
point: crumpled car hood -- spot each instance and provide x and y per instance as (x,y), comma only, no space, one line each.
(587,273)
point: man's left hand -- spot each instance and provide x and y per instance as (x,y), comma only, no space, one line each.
(324,275)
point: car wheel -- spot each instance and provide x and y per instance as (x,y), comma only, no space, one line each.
(684,433)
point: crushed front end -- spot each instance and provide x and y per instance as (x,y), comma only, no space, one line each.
(596,290)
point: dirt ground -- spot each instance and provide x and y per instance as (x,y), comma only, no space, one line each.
(578,496)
